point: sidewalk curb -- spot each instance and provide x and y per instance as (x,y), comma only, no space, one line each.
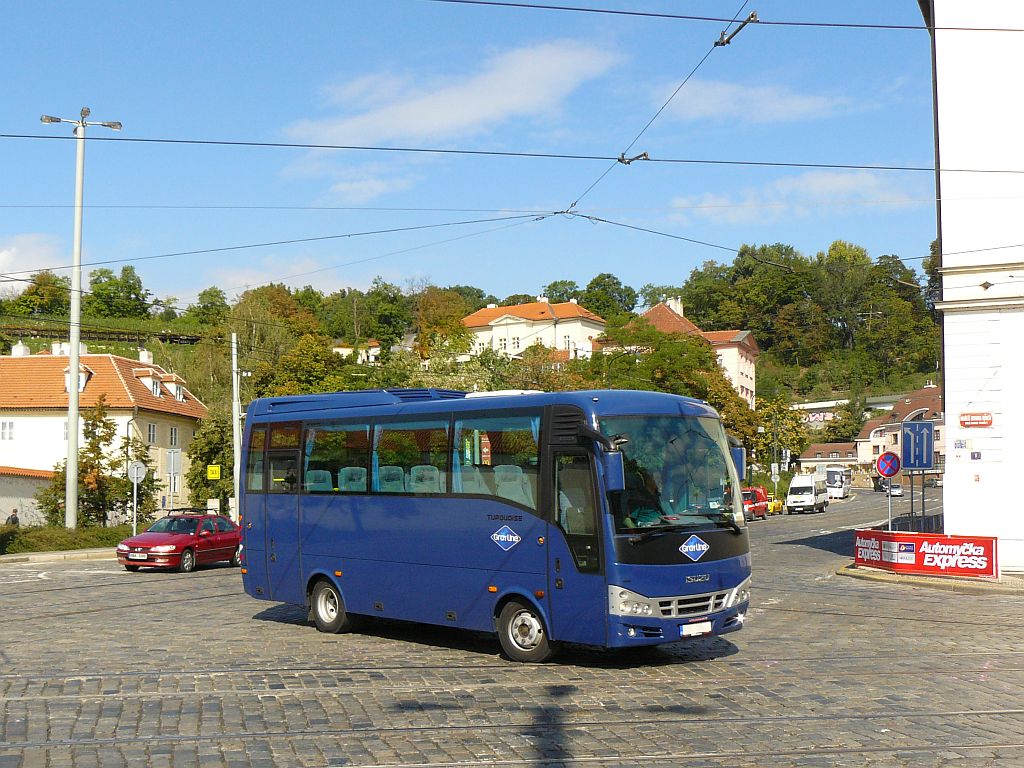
(930,582)
(106,553)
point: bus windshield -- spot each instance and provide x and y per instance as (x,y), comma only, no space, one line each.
(679,472)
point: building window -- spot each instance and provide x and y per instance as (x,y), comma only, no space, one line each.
(515,343)
(565,339)
(156,387)
(875,450)
(179,393)
(817,455)
(833,454)
(938,435)
(151,433)
(6,430)
(174,437)
(503,345)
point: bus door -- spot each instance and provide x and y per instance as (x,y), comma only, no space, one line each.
(282,499)
(253,516)
(577,593)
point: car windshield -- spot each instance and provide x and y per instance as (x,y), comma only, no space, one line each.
(679,472)
(173,525)
(748,495)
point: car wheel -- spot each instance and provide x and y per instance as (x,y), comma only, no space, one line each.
(328,609)
(236,558)
(188,561)
(522,634)
(132,568)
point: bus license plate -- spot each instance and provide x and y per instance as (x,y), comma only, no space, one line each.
(692,630)
(136,555)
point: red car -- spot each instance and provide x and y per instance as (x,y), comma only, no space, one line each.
(755,503)
(182,541)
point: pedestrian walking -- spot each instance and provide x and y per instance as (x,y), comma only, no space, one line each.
(12,519)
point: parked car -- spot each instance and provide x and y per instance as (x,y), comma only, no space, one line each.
(755,503)
(895,489)
(774,505)
(181,541)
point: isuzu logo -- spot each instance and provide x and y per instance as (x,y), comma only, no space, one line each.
(698,578)
(694,547)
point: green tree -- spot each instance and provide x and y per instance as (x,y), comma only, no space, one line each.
(211,308)
(561,291)
(46,294)
(310,366)
(213,444)
(606,296)
(848,421)
(439,326)
(783,429)
(388,312)
(116,296)
(474,297)
(518,298)
(104,490)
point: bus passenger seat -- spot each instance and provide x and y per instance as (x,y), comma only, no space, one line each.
(318,480)
(424,478)
(473,481)
(510,484)
(391,479)
(352,479)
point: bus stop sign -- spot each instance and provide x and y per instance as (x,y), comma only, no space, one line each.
(917,440)
(888,464)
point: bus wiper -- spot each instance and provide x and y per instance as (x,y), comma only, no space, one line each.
(728,522)
(650,533)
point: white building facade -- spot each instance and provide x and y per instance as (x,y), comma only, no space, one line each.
(978,119)
(566,327)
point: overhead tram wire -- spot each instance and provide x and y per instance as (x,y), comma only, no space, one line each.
(527,155)
(622,159)
(720,20)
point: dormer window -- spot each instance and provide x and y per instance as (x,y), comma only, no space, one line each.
(155,387)
(83,377)
(179,393)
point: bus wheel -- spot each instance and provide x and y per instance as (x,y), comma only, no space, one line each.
(328,609)
(522,634)
(188,561)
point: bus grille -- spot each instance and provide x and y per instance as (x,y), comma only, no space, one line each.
(693,605)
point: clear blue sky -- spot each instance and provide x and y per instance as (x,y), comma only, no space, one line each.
(414,73)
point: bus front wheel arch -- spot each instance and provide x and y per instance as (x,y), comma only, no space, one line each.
(523,634)
(327,609)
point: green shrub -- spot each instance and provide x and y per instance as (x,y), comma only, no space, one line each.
(55,539)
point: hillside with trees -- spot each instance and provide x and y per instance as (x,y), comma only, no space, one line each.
(838,324)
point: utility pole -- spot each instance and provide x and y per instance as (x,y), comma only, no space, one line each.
(75,321)
(236,425)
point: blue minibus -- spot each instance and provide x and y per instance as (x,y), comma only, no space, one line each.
(604,518)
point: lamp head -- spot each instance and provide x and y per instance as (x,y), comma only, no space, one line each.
(114,125)
(49,119)
(86,112)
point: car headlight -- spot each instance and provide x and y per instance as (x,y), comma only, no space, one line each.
(623,602)
(122,547)
(163,548)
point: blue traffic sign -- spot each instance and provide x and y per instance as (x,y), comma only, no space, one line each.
(888,464)
(918,441)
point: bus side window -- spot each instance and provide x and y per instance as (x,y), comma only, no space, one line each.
(576,512)
(336,458)
(254,464)
(283,458)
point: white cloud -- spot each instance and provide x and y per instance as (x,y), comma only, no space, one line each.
(524,82)
(30,252)
(356,191)
(718,100)
(839,191)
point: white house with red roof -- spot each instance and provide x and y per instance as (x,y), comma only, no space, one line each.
(737,351)
(144,401)
(566,326)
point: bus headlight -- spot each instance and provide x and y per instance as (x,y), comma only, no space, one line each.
(623,602)
(741,594)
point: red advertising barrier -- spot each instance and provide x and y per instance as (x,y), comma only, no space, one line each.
(927,554)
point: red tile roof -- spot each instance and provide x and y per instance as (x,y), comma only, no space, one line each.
(826,448)
(37,382)
(927,398)
(667,320)
(536,310)
(43,474)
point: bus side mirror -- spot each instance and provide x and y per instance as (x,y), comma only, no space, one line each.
(614,470)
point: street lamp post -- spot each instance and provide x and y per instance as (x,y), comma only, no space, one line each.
(75,321)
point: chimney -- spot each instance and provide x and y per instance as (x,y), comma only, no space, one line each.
(492,306)
(676,305)
(56,348)
(145,356)
(542,299)
(20,350)
(573,301)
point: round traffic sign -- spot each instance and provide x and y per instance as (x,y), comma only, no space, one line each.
(137,471)
(888,464)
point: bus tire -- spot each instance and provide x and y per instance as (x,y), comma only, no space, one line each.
(522,634)
(187,564)
(328,609)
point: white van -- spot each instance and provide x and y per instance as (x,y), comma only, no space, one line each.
(807,493)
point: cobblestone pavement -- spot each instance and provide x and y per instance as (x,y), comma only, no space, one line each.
(102,668)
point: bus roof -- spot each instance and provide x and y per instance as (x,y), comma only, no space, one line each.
(387,402)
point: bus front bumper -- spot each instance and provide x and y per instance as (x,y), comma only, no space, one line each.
(631,631)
